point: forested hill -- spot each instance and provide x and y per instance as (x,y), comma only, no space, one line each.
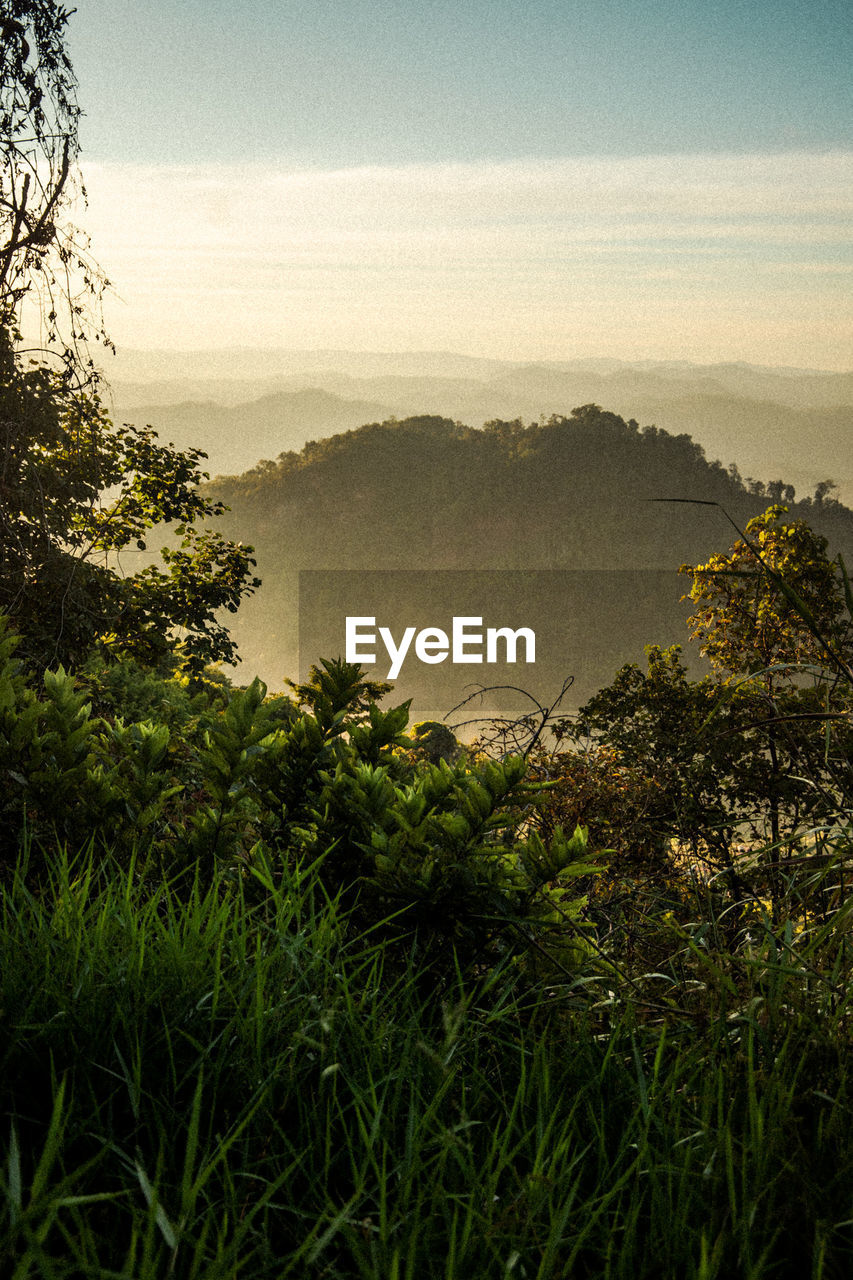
(574,492)
(571,494)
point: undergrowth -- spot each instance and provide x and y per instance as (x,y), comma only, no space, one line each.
(204,1085)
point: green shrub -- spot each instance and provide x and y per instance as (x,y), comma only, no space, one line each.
(261,785)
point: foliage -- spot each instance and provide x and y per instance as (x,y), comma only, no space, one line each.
(620,802)
(254,787)
(41,252)
(771,611)
(307,1002)
(207,1084)
(132,691)
(732,776)
(774,600)
(703,745)
(333,687)
(76,491)
(77,494)
(435,741)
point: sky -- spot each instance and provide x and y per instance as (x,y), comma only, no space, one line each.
(530,180)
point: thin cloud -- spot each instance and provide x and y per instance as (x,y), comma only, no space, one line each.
(410,256)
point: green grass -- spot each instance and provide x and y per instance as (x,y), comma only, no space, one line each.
(219,1082)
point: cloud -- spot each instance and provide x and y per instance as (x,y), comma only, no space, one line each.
(424,254)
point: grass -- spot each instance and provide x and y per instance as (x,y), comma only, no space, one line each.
(230,1081)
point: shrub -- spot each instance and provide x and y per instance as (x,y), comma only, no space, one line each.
(261,785)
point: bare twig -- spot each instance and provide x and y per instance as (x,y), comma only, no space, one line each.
(515,729)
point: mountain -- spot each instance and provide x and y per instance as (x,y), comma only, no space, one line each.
(236,437)
(804,388)
(539,515)
(244,406)
(564,526)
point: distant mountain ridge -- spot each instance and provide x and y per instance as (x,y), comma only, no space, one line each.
(235,437)
(242,407)
(278,369)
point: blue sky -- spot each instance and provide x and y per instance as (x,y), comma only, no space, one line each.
(351,82)
(552,179)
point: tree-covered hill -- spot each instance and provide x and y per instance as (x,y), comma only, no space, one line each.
(579,492)
(433,493)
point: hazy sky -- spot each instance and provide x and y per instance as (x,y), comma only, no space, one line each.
(549,179)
